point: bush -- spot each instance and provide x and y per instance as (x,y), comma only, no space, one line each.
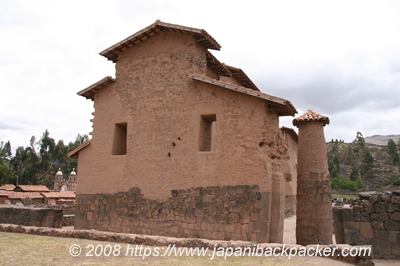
(396,181)
(343,182)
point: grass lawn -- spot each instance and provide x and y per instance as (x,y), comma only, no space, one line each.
(24,249)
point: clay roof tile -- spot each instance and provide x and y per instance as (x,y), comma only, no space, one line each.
(311,116)
(59,194)
(8,187)
(32,188)
(200,35)
(25,195)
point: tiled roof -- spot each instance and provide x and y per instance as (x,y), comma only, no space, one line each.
(201,36)
(32,188)
(309,116)
(75,152)
(5,192)
(240,76)
(217,66)
(89,92)
(281,106)
(25,195)
(60,194)
(8,187)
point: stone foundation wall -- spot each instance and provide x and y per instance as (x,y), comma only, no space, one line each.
(224,213)
(68,220)
(31,216)
(373,219)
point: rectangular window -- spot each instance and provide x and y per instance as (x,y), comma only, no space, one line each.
(208,133)
(120,137)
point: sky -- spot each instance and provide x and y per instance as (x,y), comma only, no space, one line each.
(339,58)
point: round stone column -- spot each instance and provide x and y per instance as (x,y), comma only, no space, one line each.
(314,197)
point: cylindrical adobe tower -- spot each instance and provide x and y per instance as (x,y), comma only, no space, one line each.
(314,198)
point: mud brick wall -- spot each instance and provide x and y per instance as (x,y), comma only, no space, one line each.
(31,216)
(373,219)
(224,213)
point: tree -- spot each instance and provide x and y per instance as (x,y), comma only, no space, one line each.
(354,174)
(24,165)
(336,161)
(5,151)
(39,162)
(392,150)
(359,142)
(347,155)
(367,162)
(5,174)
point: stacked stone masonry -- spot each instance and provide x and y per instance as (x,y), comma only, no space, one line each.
(224,213)
(31,216)
(316,195)
(373,219)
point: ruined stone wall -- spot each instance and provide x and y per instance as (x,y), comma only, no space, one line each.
(373,219)
(31,216)
(224,213)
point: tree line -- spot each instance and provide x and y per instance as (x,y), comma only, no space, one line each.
(37,163)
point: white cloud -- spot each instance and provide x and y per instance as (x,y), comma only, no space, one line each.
(341,58)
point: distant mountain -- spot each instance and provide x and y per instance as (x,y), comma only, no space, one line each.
(382,140)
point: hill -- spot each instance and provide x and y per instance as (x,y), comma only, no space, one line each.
(382,140)
(368,166)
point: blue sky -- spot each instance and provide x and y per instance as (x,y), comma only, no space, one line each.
(339,58)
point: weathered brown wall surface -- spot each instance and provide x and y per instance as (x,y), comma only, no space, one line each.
(162,109)
(289,169)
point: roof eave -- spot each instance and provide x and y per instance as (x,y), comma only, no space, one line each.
(200,35)
(281,106)
(90,91)
(75,152)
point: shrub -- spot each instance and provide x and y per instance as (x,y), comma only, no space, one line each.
(396,181)
(343,182)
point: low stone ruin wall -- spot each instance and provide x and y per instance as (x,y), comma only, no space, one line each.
(68,212)
(227,213)
(31,216)
(373,219)
(68,220)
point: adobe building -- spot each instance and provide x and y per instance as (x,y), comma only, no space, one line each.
(182,145)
